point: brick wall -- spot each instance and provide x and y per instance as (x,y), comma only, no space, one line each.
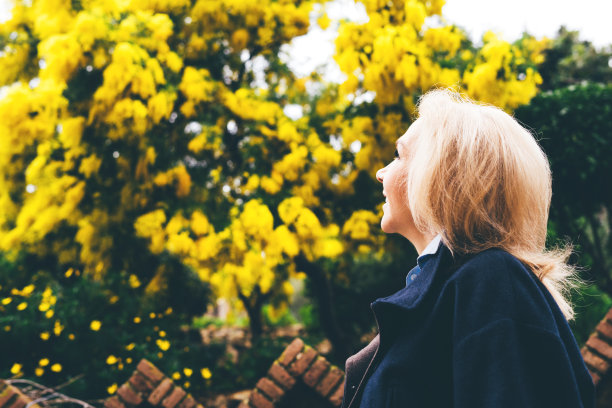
(149,385)
(298,363)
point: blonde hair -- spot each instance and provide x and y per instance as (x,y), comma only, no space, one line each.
(481,180)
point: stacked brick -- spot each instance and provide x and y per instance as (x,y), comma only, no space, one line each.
(11,397)
(149,385)
(298,363)
(597,352)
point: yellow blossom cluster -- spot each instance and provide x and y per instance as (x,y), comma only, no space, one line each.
(397,56)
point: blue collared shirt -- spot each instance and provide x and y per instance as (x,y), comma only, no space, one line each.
(430,250)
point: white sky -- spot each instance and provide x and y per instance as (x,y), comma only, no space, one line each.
(509,18)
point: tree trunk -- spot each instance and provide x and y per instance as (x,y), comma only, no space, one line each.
(327,312)
(253,305)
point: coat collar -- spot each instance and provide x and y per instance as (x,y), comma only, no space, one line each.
(411,296)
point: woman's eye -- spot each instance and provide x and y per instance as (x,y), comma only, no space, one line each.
(396,154)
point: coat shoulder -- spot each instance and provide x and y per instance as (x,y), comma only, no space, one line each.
(495,285)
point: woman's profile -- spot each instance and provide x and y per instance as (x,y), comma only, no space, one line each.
(482,320)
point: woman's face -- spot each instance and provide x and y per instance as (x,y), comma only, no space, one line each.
(397,217)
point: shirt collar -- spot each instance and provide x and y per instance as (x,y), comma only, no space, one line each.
(432,247)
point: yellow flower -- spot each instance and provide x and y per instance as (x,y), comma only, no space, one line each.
(69,273)
(111,389)
(110,360)
(151,315)
(22,306)
(44,306)
(56,368)
(188,371)
(163,344)
(176,376)
(162,333)
(44,335)
(137,320)
(134,281)
(57,329)
(128,360)
(39,371)
(7,328)
(16,369)
(130,347)
(206,374)
(95,325)
(43,362)
(187,384)
(49,314)
(7,300)
(168,311)
(71,336)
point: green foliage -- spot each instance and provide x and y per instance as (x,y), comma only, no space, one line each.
(58,328)
(590,304)
(570,61)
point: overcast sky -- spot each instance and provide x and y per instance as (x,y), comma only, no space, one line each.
(509,18)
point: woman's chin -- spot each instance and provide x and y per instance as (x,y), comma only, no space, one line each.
(385,225)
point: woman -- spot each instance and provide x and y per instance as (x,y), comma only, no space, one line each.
(482,321)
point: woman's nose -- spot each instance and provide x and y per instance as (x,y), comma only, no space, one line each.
(380,174)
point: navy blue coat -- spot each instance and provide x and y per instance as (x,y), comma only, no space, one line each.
(478,331)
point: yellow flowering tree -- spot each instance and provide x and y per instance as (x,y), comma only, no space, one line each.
(142,133)
(148,140)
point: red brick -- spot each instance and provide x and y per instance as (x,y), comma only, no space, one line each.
(174,398)
(605,329)
(259,401)
(113,402)
(128,395)
(336,397)
(597,363)
(291,351)
(281,376)
(140,383)
(160,392)
(7,394)
(188,402)
(270,389)
(150,371)
(315,372)
(609,315)
(329,382)
(302,361)
(600,346)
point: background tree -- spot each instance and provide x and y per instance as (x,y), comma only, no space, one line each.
(572,61)
(147,142)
